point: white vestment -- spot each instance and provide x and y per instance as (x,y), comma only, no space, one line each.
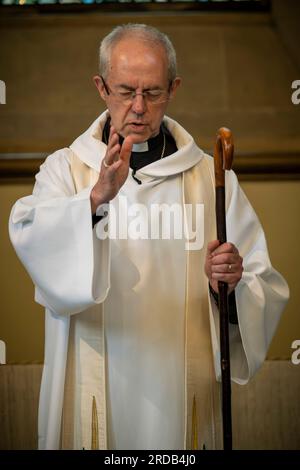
(129,321)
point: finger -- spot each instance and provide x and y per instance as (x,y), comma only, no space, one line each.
(111,171)
(226,277)
(225,248)
(212,246)
(112,154)
(126,150)
(113,140)
(112,132)
(225,258)
(224,268)
(123,153)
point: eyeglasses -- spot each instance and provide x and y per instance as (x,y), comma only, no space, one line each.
(127,96)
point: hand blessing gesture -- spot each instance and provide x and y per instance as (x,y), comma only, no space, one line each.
(114,170)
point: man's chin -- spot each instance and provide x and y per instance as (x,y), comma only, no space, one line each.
(138,136)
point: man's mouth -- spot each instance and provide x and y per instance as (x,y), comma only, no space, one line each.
(134,123)
(137,126)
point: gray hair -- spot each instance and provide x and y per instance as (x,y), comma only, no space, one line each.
(143,31)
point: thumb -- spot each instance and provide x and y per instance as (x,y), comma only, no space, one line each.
(212,246)
(126,149)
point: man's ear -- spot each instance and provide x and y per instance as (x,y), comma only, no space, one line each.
(175,84)
(100,87)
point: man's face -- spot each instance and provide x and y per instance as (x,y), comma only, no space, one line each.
(136,66)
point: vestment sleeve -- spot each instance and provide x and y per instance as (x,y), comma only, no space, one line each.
(260,295)
(51,231)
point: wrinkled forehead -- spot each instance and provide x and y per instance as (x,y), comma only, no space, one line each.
(138,57)
(136,41)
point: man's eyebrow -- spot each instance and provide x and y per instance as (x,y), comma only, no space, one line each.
(126,87)
(129,88)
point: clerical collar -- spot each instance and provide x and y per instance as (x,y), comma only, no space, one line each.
(141,147)
(151,144)
(145,153)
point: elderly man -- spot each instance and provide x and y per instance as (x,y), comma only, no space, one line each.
(132,352)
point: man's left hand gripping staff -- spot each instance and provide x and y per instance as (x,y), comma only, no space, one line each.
(223,263)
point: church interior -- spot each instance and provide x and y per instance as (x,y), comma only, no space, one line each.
(240,68)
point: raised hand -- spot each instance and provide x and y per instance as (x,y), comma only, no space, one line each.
(114,170)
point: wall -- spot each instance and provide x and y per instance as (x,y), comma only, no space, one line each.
(21,319)
(236,71)
(277,206)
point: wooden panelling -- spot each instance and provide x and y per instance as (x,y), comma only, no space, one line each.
(19,393)
(266,412)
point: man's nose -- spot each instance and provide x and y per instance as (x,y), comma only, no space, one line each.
(138,104)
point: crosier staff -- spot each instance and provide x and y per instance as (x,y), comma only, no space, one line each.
(223,156)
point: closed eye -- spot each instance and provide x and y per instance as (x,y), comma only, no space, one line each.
(126,93)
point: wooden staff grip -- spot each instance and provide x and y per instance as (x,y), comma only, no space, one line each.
(223,155)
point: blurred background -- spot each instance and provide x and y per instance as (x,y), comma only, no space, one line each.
(238,61)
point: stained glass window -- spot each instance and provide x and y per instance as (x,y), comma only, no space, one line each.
(197,4)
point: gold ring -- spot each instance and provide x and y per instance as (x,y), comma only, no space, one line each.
(105,164)
(229,267)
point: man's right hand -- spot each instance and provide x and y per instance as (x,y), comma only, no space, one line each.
(112,178)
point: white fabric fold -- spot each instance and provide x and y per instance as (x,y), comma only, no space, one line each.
(63,224)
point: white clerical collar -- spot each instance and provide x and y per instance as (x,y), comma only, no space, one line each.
(140,147)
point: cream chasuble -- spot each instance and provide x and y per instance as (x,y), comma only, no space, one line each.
(200,386)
